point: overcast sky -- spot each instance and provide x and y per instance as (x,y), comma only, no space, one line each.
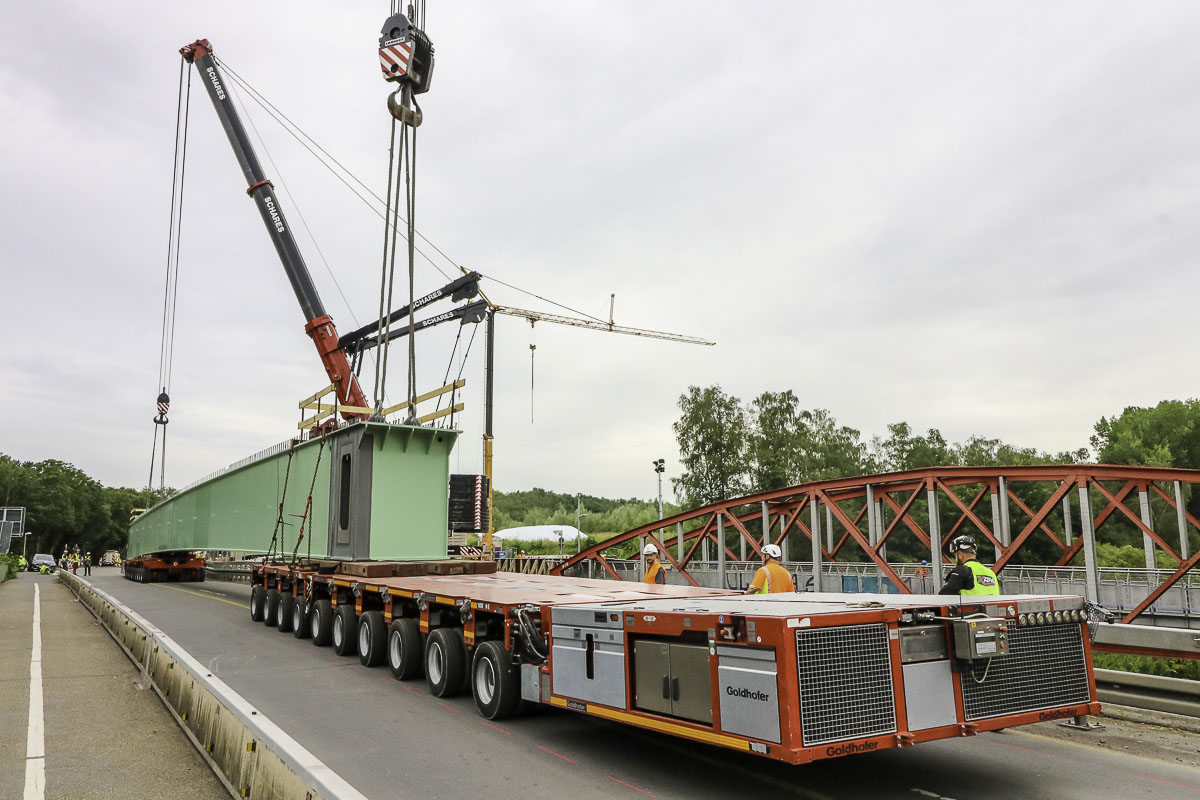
(976,217)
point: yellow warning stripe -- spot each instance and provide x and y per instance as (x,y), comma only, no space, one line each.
(447,601)
(657,725)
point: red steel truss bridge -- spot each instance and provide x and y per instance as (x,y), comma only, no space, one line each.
(1049,515)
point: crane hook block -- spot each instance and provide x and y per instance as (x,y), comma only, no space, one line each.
(405,54)
(409,116)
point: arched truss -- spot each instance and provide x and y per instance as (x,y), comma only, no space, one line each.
(1068,505)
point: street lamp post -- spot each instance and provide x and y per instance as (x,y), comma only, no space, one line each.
(659,468)
(579,515)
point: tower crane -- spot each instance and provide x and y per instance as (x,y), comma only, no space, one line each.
(541,316)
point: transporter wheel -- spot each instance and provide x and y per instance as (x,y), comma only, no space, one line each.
(372,638)
(495,681)
(446,662)
(344,628)
(404,651)
(301,622)
(322,623)
(258,597)
(272,607)
(287,604)
(201,574)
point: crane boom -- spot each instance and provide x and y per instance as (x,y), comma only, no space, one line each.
(596,325)
(319,325)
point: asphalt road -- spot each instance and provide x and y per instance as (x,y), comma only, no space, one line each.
(393,740)
(88,751)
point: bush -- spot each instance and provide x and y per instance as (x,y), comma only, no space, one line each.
(1148,665)
(11,560)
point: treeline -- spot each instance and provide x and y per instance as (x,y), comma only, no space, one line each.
(601,516)
(729,448)
(65,507)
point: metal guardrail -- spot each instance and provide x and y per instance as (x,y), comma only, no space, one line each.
(1149,692)
(252,756)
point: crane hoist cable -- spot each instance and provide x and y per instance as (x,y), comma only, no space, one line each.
(406,57)
(532,350)
(306,517)
(166,351)
(277,534)
(262,144)
(368,196)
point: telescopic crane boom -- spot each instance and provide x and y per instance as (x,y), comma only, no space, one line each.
(319,325)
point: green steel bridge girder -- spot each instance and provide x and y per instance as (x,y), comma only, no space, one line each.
(236,509)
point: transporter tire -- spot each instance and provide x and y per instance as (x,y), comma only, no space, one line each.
(372,638)
(322,623)
(446,662)
(495,681)
(301,620)
(201,574)
(286,604)
(272,607)
(405,654)
(257,602)
(345,628)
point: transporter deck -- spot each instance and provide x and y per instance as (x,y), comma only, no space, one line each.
(794,677)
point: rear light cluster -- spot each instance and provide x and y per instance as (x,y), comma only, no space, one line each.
(1050,618)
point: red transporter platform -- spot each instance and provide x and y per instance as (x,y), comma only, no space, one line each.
(172,566)
(795,677)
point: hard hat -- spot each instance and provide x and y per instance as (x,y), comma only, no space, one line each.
(962,543)
(649,550)
(772,550)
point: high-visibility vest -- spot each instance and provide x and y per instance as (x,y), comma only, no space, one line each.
(782,583)
(986,582)
(652,573)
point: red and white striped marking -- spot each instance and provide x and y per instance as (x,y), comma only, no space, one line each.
(478,502)
(393,59)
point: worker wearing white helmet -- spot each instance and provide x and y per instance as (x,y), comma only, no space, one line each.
(655,573)
(771,577)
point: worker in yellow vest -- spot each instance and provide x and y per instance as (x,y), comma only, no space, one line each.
(969,577)
(771,578)
(655,572)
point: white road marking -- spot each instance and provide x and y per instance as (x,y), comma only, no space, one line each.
(35,749)
(928,793)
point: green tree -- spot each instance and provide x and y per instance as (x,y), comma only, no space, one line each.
(1167,435)
(774,443)
(712,435)
(829,450)
(902,450)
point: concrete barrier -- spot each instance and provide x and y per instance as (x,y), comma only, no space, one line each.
(251,755)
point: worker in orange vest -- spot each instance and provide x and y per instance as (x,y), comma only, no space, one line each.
(770,577)
(655,572)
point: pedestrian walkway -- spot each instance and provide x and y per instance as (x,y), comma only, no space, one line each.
(102,735)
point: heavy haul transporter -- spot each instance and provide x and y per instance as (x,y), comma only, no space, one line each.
(180,565)
(793,677)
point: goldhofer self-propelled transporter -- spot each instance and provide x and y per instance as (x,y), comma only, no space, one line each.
(793,677)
